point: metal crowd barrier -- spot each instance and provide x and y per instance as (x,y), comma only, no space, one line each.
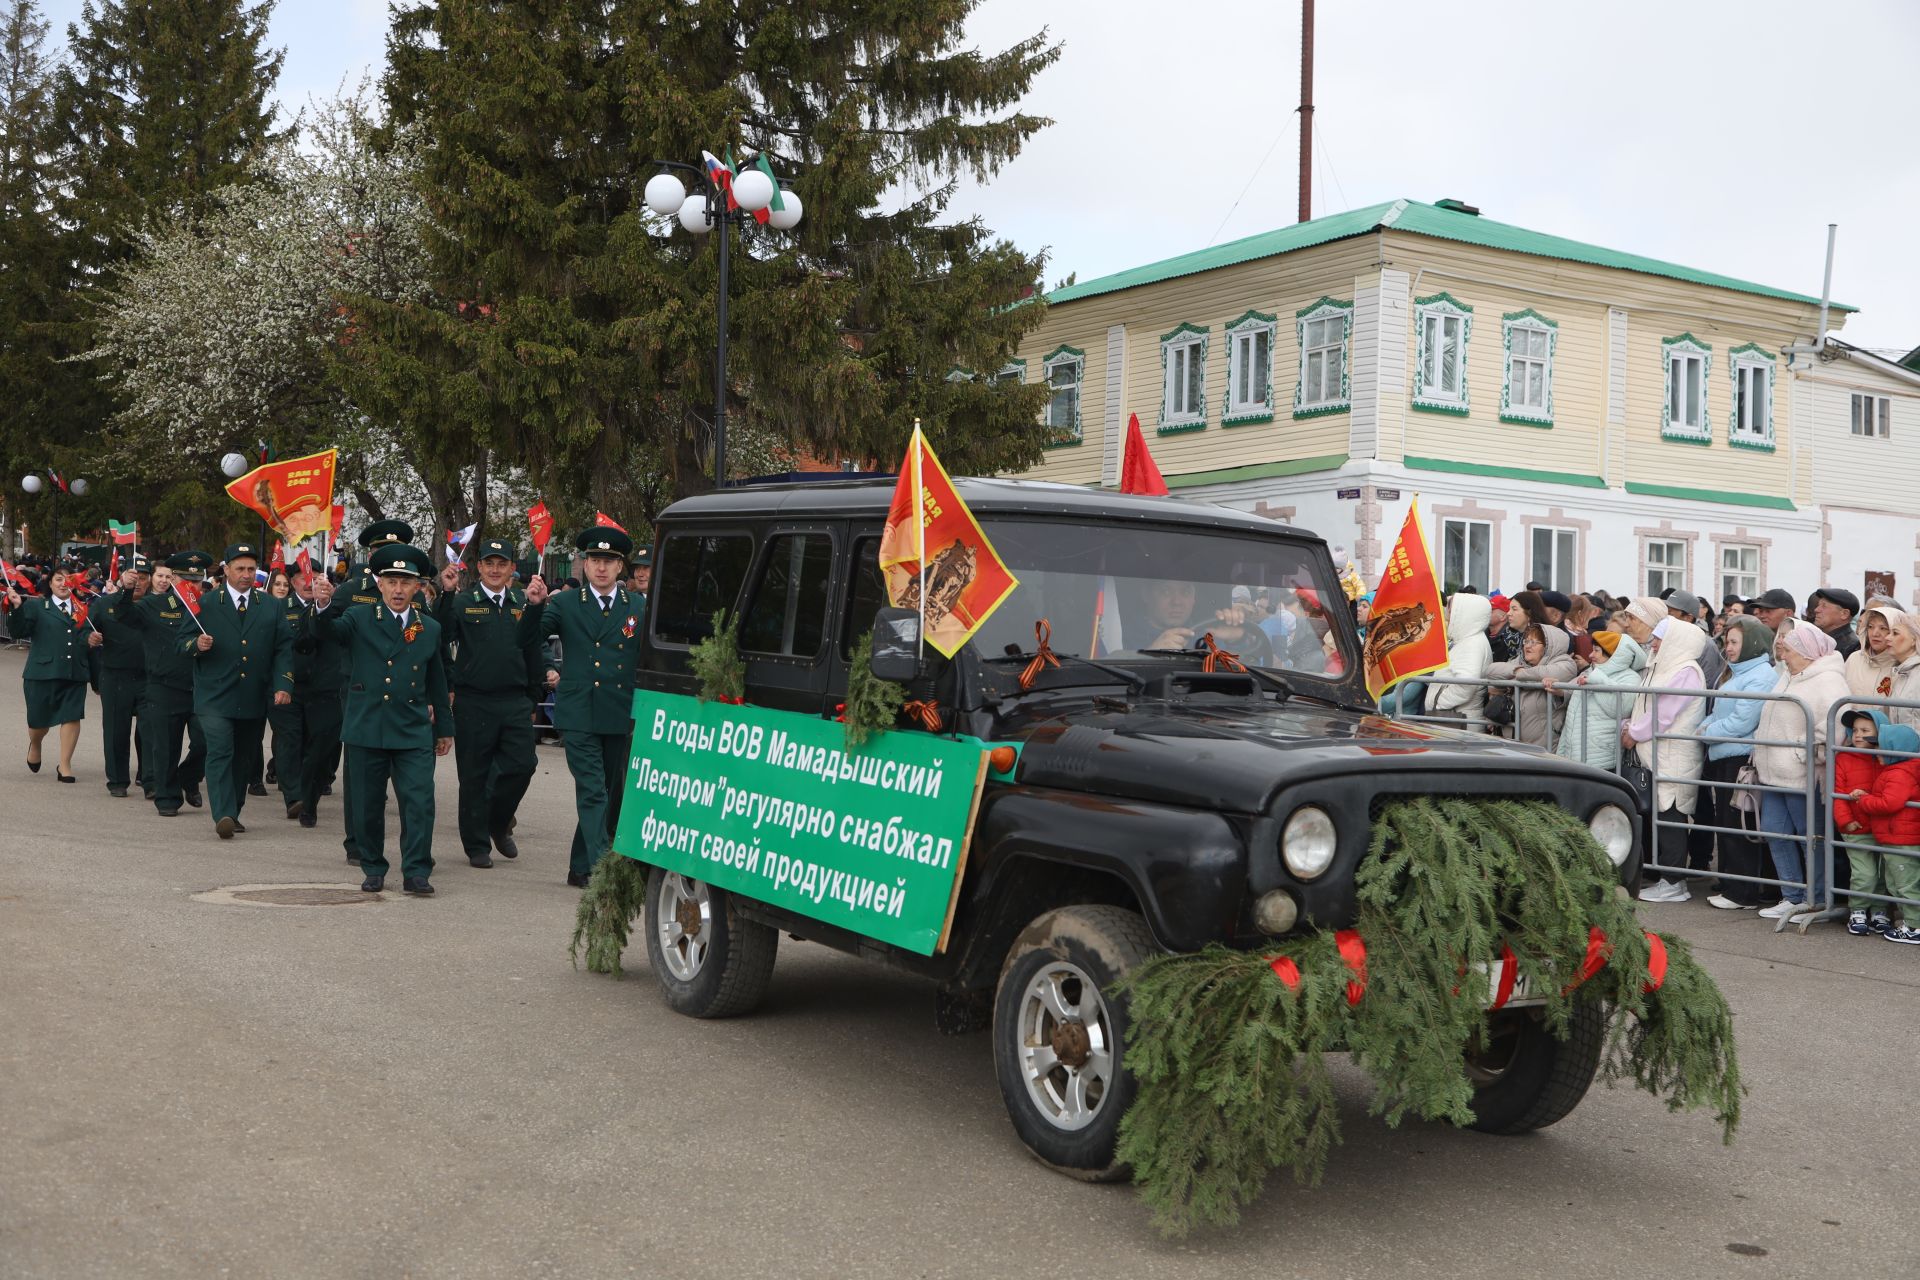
(1816,838)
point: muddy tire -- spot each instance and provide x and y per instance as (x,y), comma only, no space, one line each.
(1057,1036)
(709,961)
(1524,1078)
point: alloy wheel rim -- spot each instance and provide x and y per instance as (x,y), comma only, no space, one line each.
(684,921)
(1066,1045)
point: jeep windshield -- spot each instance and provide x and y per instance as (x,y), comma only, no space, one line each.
(1119,593)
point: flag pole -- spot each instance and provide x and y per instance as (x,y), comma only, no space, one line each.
(919,536)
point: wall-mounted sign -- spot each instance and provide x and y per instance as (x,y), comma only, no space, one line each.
(1346,493)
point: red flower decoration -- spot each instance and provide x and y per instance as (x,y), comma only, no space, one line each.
(412,632)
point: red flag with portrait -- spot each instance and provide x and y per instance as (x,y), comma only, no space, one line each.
(294,497)
(1407,629)
(934,555)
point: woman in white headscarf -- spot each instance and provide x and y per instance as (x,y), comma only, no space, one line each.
(1674,719)
(1812,672)
(1870,667)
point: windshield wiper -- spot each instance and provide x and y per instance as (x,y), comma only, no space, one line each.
(1134,681)
(1278,684)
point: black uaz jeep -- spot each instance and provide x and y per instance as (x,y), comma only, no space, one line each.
(1155,804)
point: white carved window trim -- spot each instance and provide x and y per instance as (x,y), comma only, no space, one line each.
(1752,370)
(1430,316)
(1675,354)
(1012,371)
(1061,358)
(1325,309)
(1529,322)
(1245,332)
(1183,351)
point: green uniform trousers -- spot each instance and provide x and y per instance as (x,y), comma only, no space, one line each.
(349,808)
(411,771)
(165,724)
(319,746)
(493,748)
(233,756)
(121,693)
(598,762)
(288,734)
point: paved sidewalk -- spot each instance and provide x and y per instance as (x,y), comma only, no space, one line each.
(426,1088)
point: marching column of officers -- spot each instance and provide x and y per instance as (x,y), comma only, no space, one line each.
(360,667)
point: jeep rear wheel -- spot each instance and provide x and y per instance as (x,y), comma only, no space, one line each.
(709,961)
(1525,1078)
(1058,1032)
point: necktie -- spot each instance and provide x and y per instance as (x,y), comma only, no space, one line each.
(606,605)
(241,604)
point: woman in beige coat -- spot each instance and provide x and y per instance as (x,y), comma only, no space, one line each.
(1813,675)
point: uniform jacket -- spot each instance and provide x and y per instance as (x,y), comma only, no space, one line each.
(156,618)
(1885,805)
(59,648)
(485,649)
(396,683)
(595,694)
(319,661)
(121,647)
(251,658)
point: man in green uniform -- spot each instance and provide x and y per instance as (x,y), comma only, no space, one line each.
(599,628)
(497,674)
(242,656)
(361,589)
(398,718)
(123,682)
(166,715)
(312,751)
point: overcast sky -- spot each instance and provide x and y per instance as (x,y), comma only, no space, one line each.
(1721,135)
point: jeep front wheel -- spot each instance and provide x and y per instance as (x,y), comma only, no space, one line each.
(709,961)
(1057,1035)
(1524,1077)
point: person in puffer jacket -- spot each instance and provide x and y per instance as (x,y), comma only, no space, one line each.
(1747,645)
(1544,656)
(1896,828)
(1592,727)
(1468,657)
(1813,675)
(1856,768)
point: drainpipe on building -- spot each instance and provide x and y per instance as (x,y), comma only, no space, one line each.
(1826,292)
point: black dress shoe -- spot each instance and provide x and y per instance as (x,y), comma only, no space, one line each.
(309,819)
(576,881)
(373,884)
(479,860)
(295,809)
(33,766)
(118,793)
(239,827)
(273,775)
(256,789)
(226,827)
(418,888)
(64,777)
(193,797)
(169,813)
(147,792)
(504,843)
(327,790)
(353,860)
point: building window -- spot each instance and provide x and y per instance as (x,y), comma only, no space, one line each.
(1872,416)
(1553,558)
(1466,555)
(1739,571)
(1683,415)
(1183,368)
(1665,560)
(1012,371)
(1751,426)
(1526,395)
(1063,370)
(1442,326)
(1249,370)
(1323,331)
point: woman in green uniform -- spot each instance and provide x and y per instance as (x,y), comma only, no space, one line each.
(57,667)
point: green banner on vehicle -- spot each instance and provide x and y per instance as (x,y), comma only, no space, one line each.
(774,805)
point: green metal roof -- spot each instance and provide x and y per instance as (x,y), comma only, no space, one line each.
(1419,219)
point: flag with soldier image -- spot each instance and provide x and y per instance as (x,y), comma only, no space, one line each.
(934,555)
(1407,630)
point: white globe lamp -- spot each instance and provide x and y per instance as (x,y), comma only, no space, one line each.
(233,466)
(664,194)
(79,488)
(31,484)
(693,214)
(754,190)
(787,217)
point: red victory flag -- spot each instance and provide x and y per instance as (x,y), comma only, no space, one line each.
(294,497)
(605,521)
(279,560)
(306,563)
(188,594)
(934,555)
(1407,630)
(1137,472)
(339,520)
(540,520)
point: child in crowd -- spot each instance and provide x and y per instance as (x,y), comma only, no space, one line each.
(1895,826)
(1856,771)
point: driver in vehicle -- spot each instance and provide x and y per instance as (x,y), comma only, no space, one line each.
(1170,619)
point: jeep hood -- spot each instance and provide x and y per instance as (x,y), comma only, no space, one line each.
(1235,754)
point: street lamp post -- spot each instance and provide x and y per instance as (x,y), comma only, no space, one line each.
(34,482)
(700,211)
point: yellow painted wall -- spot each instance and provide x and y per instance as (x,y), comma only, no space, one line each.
(1278,286)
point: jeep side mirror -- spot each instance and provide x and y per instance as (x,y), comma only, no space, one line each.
(896,645)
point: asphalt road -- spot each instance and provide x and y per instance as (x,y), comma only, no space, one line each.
(427,1088)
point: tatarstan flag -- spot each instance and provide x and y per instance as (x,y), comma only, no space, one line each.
(934,555)
(124,535)
(1407,630)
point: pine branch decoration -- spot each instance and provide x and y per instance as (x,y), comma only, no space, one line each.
(1231,1060)
(716,661)
(615,894)
(873,705)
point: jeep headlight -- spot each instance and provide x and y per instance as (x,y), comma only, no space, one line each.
(1613,829)
(1307,842)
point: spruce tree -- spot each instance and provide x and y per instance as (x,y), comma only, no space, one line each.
(575,331)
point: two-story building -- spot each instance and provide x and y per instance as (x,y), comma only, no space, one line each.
(1567,413)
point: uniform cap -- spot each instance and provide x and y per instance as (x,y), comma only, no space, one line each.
(240,550)
(399,559)
(194,562)
(382,532)
(599,540)
(642,558)
(494,547)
